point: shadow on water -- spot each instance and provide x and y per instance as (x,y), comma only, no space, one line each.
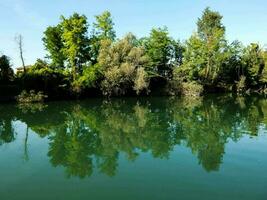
(92,134)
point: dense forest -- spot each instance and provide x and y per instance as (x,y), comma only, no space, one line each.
(85,61)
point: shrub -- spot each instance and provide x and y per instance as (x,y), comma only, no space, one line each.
(191,89)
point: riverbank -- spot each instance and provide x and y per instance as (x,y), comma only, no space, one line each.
(11,92)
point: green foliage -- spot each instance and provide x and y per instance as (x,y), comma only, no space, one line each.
(205,51)
(104,26)
(209,24)
(263,76)
(75,41)
(193,59)
(40,76)
(103,30)
(88,79)
(89,61)
(191,89)
(254,64)
(232,68)
(164,53)
(123,66)
(40,67)
(6,72)
(54,45)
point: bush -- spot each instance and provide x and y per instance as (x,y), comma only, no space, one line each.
(30,97)
(191,89)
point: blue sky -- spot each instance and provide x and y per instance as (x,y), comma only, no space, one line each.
(245,20)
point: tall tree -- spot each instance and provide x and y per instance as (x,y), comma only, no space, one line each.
(212,33)
(103,30)
(75,41)
(104,26)
(206,50)
(54,45)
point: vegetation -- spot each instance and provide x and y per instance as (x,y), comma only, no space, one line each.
(191,89)
(31,97)
(123,66)
(89,60)
(6,72)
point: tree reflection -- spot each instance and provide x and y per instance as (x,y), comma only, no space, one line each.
(92,135)
(7,133)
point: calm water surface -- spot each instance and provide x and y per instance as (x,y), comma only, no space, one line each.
(149,148)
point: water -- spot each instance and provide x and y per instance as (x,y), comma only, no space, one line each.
(149,148)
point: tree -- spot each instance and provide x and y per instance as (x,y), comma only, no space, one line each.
(206,50)
(75,41)
(263,78)
(123,66)
(104,26)
(6,72)
(160,49)
(233,68)
(54,45)
(103,29)
(212,33)
(254,64)
(19,40)
(208,23)
(193,60)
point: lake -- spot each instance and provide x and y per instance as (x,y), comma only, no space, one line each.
(127,148)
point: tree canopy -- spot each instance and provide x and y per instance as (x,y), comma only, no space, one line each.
(89,59)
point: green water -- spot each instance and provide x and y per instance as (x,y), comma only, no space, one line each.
(149,148)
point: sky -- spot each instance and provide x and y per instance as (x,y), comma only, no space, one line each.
(245,20)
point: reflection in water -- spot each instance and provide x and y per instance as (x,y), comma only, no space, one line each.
(31,107)
(92,134)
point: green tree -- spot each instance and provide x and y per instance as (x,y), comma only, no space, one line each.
(254,63)
(206,50)
(103,29)
(104,26)
(263,78)
(212,33)
(122,64)
(233,68)
(193,60)
(75,41)
(6,72)
(162,51)
(53,44)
